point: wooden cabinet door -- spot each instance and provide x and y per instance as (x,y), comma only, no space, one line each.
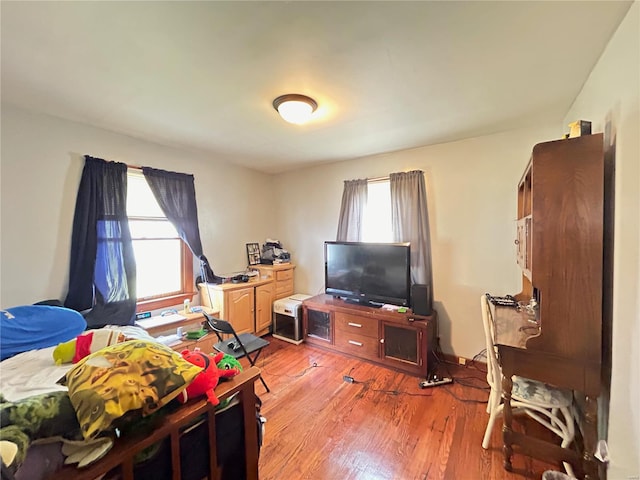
(403,347)
(523,243)
(239,306)
(264,306)
(318,325)
(520,243)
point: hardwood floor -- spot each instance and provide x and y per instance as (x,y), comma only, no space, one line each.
(383,426)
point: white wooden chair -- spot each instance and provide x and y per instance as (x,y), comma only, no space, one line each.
(549,406)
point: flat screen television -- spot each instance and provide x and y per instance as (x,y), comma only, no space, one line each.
(368,273)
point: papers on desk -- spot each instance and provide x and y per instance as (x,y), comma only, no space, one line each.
(389,307)
(159,321)
(169,340)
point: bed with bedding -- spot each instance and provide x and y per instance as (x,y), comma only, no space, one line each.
(114,414)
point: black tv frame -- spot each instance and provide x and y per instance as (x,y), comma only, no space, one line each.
(373,299)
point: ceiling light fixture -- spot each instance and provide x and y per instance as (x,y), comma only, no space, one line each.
(295,108)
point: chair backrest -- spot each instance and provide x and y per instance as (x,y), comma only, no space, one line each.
(223,327)
(494,372)
(218,326)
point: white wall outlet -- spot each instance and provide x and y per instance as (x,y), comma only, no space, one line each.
(462,361)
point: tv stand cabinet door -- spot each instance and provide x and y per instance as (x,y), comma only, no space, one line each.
(404,347)
(318,326)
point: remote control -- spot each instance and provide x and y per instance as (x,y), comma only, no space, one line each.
(506,301)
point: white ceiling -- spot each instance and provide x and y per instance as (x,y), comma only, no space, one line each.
(386,75)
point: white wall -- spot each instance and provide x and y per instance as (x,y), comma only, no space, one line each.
(610,99)
(471,195)
(41,164)
(471,189)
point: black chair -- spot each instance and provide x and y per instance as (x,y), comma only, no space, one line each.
(238,346)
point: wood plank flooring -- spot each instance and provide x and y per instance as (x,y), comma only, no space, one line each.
(381,427)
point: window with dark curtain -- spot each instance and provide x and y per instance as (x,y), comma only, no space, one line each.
(102,266)
(176,195)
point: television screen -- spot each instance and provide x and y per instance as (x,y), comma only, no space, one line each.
(372,273)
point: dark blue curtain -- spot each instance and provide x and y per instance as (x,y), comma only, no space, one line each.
(102,274)
(176,195)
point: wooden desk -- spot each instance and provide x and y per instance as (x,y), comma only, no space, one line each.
(190,319)
(513,332)
(560,246)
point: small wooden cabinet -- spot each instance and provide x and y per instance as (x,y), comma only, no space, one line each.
(397,340)
(282,274)
(247,306)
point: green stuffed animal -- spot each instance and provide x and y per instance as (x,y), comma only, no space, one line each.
(46,417)
(228,362)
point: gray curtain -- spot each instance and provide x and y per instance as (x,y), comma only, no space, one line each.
(410,222)
(354,201)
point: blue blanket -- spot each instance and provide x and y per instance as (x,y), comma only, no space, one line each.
(31,327)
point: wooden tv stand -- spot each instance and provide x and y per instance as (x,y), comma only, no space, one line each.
(400,341)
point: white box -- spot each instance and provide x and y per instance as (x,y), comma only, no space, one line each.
(287,318)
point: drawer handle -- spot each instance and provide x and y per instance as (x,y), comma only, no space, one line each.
(351,324)
(353,342)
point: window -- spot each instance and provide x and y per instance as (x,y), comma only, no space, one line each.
(164,263)
(377,216)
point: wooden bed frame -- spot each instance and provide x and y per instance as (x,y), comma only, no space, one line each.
(124,450)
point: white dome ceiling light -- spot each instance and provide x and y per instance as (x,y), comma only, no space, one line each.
(295,108)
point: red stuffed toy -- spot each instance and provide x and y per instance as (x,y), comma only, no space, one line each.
(206,381)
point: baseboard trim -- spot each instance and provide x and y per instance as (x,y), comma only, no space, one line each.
(455,360)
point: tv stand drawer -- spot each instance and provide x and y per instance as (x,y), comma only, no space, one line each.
(358,345)
(355,324)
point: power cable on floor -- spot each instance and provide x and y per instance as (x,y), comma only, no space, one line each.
(349,379)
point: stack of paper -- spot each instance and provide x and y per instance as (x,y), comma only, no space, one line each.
(392,308)
(159,321)
(169,340)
